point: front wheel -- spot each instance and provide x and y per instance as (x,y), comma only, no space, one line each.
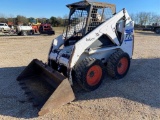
(2,29)
(89,73)
(32,32)
(118,64)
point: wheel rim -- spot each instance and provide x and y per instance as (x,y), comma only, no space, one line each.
(122,65)
(94,75)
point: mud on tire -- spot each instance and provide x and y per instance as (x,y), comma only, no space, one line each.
(89,73)
(118,64)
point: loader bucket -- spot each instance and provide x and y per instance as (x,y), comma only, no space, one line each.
(46,88)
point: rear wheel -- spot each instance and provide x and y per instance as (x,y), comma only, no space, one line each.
(118,64)
(89,74)
(157,30)
(32,32)
(19,33)
(24,33)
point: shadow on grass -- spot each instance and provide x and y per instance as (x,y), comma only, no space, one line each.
(141,85)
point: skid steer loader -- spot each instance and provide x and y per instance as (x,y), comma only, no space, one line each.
(96,37)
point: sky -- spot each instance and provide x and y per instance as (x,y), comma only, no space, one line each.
(57,8)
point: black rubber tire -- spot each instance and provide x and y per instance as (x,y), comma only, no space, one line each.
(81,71)
(2,30)
(114,62)
(19,34)
(32,32)
(157,31)
(24,33)
(54,65)
(41,30)
(53,32)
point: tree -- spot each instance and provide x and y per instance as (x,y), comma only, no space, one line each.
(42,20)
(2,18)
(61,21)
(54,21)
(10,18)
(156,19)
(143,18)
(22,20)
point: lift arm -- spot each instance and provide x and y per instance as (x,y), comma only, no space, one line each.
(108,28)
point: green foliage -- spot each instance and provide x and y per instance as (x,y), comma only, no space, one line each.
(3,20)
(56,21)
(32,20)
(22,20)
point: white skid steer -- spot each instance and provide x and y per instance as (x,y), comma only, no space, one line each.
(96,37)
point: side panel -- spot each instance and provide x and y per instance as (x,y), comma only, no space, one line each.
(128,40)
(57,42)
(107,28)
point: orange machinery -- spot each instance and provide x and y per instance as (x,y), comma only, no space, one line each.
(42,28)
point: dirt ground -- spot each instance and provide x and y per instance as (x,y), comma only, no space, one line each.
(135,97)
